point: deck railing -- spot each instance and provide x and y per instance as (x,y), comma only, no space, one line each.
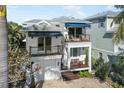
(78,38)
(48,50)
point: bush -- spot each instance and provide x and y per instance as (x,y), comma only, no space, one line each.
(97,63)
(85,74)
(103,71)
(93,60)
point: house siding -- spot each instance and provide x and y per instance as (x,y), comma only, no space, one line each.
(101,41)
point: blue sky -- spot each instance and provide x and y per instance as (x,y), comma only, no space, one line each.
(21,13)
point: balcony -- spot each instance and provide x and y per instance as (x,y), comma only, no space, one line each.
(44,51)
(75,64)
(78,38)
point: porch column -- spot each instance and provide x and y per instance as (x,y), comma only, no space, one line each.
(89,57)
(68,57)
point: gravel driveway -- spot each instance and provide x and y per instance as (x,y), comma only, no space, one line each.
(78,83)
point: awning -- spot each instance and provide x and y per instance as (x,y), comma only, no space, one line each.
(44,33)
(82,25)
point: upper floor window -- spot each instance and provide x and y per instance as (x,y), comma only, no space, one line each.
(117,22)
(101,24)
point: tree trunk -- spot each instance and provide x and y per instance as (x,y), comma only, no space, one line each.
(3,49)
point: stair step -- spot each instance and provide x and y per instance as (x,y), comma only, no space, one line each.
(70,75)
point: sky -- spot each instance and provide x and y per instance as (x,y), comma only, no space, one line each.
(21,13)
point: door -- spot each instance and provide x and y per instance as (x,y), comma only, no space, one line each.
(48,44)
(41,44)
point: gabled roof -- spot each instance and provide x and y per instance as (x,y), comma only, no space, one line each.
(56,24)
(43,25)
(103,14)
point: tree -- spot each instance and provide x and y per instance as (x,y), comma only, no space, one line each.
(15,36)
(119,34)
(3,48)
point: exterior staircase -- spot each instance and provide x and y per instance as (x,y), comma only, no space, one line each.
(69,75)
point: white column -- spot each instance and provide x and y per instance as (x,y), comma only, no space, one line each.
(89,57)
(68,57)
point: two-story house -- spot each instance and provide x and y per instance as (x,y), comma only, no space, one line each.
(58,46)
(102,33)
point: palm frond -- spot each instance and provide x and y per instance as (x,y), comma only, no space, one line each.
(119,35)
(119,17)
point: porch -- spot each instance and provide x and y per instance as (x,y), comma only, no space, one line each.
(75,64)
(77,56)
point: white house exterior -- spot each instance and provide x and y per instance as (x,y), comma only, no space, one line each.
(58,46)
(101,33)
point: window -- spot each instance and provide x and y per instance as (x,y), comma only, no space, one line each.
(117,22)
(101,24)
(75,52)
(100,55)
(44,43)
(41,44)
(57,25)
(75,31)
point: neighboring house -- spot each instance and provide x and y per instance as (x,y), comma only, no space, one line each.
(101,33)
(58,46)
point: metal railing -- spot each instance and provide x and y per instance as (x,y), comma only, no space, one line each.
(47,50)
(78,38)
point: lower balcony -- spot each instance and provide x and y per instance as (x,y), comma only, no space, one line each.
(75,64)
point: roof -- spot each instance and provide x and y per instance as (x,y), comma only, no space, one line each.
(44,25)
(55,24)
(103,14)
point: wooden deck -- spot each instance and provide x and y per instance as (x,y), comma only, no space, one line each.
(69,75)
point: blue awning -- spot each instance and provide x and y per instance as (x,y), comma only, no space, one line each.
(83,25)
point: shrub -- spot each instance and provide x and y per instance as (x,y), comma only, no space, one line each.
(85,74)
(93,60)
(102,71)
(97,63)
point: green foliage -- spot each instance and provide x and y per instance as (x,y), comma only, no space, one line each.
(119,67)
(101,68)
(102,71)
(93,60)
(85,74)
(86,51)
(119,35)
(115,85)
(117,73)
(97,63)
(15,36)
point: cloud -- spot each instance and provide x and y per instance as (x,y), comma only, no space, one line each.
(110,7)
(75,10)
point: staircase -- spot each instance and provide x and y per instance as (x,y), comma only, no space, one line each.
(69,75)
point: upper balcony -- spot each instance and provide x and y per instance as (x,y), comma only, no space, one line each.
(45,51)
(79,38)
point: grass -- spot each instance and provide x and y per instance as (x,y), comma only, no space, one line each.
(85,74)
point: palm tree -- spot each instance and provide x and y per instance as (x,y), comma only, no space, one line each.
(3,48)
(15,36)
(119,34)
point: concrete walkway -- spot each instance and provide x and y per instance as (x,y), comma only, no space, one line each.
(78,83)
